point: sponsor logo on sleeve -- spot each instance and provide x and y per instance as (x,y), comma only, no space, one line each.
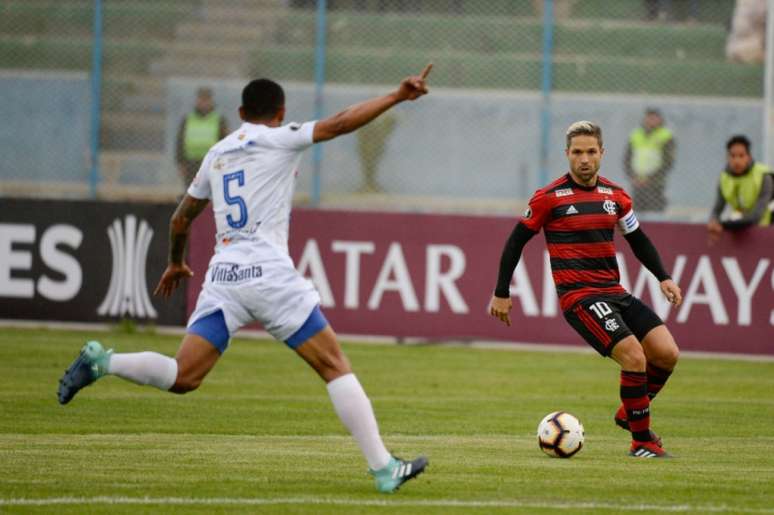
(528,213)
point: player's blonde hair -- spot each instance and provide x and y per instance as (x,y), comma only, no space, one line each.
(584,128)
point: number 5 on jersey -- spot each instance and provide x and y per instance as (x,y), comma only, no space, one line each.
(231,200)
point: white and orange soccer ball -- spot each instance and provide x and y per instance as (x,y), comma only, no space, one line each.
(560,435)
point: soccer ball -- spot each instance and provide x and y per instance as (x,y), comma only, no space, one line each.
(560,435)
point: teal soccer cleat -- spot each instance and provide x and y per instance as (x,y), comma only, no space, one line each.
(90,365)
(397,472)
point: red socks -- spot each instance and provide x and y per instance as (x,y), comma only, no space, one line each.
(634,395)
(657,377)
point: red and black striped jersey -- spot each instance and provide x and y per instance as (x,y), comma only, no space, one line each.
(578,222)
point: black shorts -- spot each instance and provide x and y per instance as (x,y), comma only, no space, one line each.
(605,320)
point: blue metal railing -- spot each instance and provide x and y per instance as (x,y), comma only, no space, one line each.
(96,94)
(546,85)
(319,86)
(319,108)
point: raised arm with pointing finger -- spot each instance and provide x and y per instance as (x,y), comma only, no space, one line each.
(348,120)
(357,115)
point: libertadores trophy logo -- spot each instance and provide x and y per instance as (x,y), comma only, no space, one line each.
(128,293)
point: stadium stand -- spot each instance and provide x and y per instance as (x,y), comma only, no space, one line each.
(370,41)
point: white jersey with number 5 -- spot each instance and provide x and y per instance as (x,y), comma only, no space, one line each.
(250,177)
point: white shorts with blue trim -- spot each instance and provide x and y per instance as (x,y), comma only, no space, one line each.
(254,281)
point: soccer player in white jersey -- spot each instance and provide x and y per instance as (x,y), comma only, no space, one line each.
(250,176)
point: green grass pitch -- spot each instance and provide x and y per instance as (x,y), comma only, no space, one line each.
(260,434)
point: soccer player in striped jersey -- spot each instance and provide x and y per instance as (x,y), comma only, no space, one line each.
(578,214)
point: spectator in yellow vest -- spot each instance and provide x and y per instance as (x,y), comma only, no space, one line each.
(647,161)
(745,190)
(199,130)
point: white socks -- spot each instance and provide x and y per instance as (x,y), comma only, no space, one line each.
(145,368)
(355,411)
(349,400)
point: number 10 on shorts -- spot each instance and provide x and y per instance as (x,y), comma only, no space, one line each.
(601,309)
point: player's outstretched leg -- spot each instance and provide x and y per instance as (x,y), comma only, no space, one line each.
(316,343)
(355,411)
(634,396)
(181,374)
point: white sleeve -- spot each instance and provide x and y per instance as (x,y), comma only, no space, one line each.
(200,186)
(628,222)
(293,136)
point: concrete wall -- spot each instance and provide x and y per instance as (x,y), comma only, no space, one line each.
(44,134)
(486,143)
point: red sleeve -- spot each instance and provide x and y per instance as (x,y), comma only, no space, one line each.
(538,211)
(624,204)
(627,220)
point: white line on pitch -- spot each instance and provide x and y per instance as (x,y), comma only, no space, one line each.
(236,501)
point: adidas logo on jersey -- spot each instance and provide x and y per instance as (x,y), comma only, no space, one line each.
(571,211)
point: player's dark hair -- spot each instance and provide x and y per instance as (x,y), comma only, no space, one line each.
(262,98)
(738,139)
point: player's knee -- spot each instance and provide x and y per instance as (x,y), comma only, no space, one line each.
(186,384)
(631,357)
(667,360)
